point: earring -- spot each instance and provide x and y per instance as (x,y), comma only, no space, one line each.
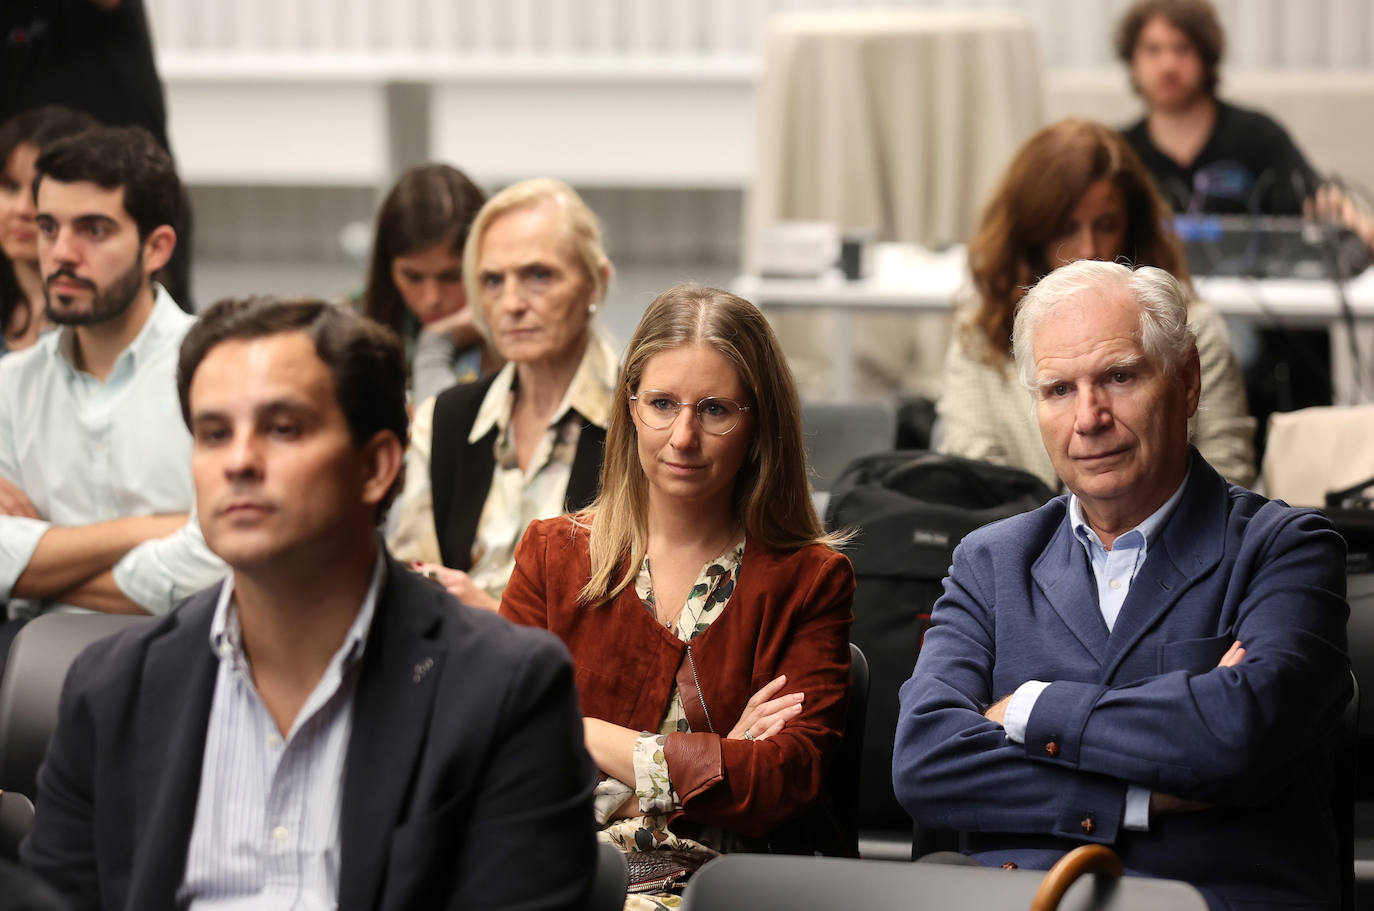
(591,308)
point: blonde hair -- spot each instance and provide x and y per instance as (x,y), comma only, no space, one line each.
(771,496)
(580,226)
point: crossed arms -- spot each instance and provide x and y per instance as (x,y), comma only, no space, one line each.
(1189,728)
(77,564)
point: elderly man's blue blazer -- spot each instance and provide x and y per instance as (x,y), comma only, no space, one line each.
(465,763)
(1145,703)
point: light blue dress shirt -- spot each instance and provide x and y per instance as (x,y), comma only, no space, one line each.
(86,451)
(1114,570)
(266,831)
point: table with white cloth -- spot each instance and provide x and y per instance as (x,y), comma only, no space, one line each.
(896,122)
(912,281)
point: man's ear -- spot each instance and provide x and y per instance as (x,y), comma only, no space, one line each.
(384,457)
(1192,381)
(158,247)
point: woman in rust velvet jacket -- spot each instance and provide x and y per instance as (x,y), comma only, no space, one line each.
(706,609)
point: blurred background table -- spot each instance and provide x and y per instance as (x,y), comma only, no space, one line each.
(915,280)
(896,123)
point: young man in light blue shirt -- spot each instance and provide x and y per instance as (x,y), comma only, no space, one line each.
(93,457)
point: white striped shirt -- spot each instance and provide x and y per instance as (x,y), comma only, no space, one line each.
(266,832)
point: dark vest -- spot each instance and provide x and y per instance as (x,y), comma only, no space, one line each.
(460,472)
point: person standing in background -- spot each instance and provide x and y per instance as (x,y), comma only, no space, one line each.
(95,56)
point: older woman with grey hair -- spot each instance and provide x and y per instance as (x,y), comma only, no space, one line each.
(487,458)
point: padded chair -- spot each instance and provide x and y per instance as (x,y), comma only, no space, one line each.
(740,881)
(32,686)
(836,433)
(16,818)
(1344,786)
(612,879)
(1360,635)
(1359,630)
(842,781)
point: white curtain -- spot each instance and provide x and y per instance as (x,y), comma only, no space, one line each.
(1322,34)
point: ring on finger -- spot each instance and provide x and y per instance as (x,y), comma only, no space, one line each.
(748,734)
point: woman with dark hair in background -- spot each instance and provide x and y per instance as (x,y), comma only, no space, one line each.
(1074,191)
(415,277)
(22,137)
(705,606)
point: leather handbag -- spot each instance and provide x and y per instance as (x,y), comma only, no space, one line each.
(662,871)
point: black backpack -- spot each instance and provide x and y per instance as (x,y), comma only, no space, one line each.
(910,508)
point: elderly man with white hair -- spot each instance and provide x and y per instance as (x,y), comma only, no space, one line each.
(1155,661)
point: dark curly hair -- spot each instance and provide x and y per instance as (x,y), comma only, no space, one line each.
(111,157)
(1195,18)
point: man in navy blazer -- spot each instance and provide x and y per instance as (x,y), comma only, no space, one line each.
(326,729)
(1156,661)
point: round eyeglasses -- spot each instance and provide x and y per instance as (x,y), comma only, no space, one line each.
(658,410)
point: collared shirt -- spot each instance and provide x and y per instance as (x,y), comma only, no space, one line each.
(515,498)
(266,831)
(86,451)
(1113,570)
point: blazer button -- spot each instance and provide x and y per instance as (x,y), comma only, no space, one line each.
(1009,865)
(1087,825)
(1052,749)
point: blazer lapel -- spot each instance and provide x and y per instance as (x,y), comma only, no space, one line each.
(1190,544)
(1066,580)
(173,712)
(402,664)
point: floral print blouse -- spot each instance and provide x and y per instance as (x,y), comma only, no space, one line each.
(657,799)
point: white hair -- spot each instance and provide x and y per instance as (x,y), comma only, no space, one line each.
(583,231)
(1165,336)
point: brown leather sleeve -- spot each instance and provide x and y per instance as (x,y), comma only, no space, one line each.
(694,763)
(525,600)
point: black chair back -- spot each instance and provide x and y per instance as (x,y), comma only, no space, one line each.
(842,780)
(32,686)
(1344,787)
(612,879)
(16,818)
